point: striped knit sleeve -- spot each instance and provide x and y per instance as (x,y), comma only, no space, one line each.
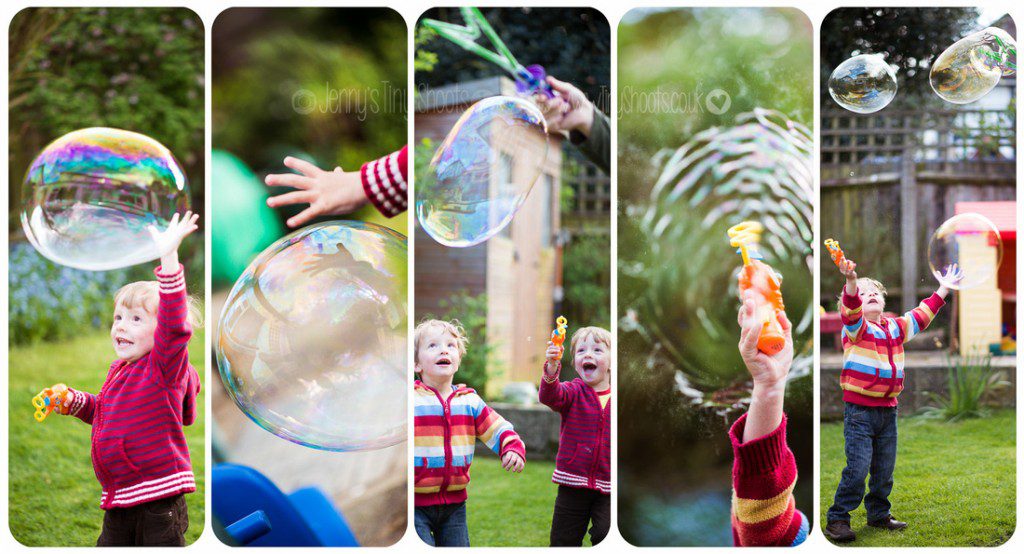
(763,476)
(496,432)
(384,182)
(554,394)
(852,314)
(83,405)
(173,331)
(918,319)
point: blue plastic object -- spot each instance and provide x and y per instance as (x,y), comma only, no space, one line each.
(256,513)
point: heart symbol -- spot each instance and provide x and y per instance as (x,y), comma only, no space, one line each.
(718,101)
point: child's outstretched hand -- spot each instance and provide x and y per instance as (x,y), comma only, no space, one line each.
(513,462)
(849,270)
(335,192)
(553,355)
(952,275)
(568,111)
(168,240)
(769,373)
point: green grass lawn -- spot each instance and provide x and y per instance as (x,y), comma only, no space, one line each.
(508,509)
(955,482)
(54,495)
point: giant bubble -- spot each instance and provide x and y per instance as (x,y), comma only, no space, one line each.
(311,343)
(90,195)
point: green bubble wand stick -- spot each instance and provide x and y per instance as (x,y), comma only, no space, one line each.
(529,80)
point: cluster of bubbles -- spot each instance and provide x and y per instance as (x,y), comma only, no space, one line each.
(863,84)
(311,343)
(972,67)
(90,196)
(964,73)
(483,171)
(759,169)
(970,243)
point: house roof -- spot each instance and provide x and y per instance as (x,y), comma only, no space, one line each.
(1002,214)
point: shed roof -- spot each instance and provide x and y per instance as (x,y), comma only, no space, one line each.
(1002,214)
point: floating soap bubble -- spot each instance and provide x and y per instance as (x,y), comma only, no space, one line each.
(311,343)
(90,195)
(972,242)
(863,84)
(685,300)
(973,65)
(483,171)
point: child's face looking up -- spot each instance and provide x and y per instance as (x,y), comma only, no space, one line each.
(872,300)
(132,331)
(591,362)
(437,358)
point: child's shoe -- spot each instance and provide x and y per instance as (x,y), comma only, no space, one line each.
(889,523)
(839,531)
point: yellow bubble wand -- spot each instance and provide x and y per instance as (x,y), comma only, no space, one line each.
(48,400)
(760,278)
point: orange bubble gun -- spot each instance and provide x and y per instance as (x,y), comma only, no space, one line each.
(48,400)
(835,251)
(558,335)
(759,277)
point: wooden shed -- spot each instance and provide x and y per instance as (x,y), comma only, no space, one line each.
(516,268)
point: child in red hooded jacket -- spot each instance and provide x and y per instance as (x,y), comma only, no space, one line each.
(139,451)
(583,463)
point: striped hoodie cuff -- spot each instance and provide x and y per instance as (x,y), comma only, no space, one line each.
(384,183)
(761,456)
(171,282)
(552,378)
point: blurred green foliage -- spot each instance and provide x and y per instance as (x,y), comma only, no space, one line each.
(587,280)
(758,57)
(140,69)
(326,85)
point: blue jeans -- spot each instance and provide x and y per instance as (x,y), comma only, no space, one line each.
(870,435)
(442,525)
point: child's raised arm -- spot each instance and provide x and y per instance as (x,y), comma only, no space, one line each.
(764,469)
(381,182)
(850,309)
(553,393)
(919,318)
(170,344)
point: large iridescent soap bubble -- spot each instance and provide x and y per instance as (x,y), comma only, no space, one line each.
(311,343)
(971,243)
(680,292)
(482,172)
(973,65)
(863,84)
(90,195)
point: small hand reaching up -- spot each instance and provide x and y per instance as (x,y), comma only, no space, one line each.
(335,192)
(952,275)
(769,373)
(849,270)
(169,240)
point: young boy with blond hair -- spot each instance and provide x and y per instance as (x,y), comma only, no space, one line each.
(583,464)
(448,419)
(872,379)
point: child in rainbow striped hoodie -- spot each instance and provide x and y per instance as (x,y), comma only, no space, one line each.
(448,419)
(764,470)
(872,379)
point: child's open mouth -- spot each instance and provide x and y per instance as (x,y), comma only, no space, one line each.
(123,342)
(444,363)
(589,368)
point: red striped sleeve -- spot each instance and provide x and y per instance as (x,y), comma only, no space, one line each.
(83,405)
(764,474)
(553,393)
(170,344)
(385,182)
